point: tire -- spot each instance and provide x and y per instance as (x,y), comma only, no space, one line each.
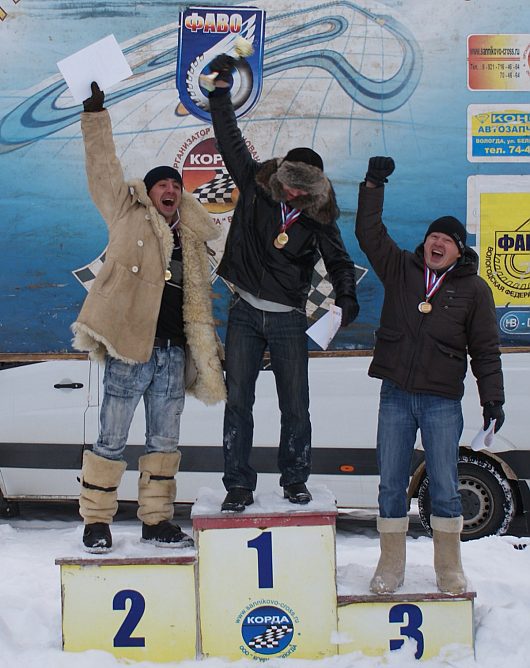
(488,504)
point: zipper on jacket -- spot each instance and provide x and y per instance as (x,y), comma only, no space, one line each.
(413,364)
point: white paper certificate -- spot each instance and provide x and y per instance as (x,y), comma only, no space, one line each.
(102,62)
(324,329)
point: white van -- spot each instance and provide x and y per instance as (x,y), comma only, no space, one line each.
(49,414)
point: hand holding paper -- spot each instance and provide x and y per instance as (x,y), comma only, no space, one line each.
(95,102)
(484,438)
(324,329)
(102,61)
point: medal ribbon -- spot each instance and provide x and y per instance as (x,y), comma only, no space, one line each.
(433,282)
(175,229)
(289,216)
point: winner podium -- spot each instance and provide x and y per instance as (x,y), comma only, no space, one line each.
(259,585)
(267,579)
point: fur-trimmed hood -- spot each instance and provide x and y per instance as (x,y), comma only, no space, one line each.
(319,204)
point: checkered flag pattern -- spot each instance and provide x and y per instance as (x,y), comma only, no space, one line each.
(216,191)
(270,639)
(321,294)
(86,275)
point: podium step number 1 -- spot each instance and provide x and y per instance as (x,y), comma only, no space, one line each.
(267,586)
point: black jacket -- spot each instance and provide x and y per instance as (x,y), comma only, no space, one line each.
(427,353)
(250,260)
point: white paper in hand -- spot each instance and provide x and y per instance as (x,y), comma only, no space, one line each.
(102,62)
(484,438)
(324,329)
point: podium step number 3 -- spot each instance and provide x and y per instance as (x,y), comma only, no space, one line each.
(374,625)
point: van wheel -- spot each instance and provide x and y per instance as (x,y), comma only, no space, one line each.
(488,504)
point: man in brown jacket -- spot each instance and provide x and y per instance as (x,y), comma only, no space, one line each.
(436,312)
(150,299)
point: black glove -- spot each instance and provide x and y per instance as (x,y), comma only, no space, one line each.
(223,64)
(95,101)
(492,410)
(350,309)
(379,168)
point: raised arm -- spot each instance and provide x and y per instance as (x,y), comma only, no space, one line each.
(382,252)
(106,183)
(231,144)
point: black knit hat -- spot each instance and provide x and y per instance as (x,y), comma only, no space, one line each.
(307,155)
(159,174)
(452,227)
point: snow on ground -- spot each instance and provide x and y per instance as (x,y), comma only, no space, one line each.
(30,595)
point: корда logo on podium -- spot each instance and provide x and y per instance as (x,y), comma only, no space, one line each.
(267,630)
(206,32)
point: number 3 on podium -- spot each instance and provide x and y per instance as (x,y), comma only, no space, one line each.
(397,614)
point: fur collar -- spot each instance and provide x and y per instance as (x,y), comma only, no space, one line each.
(319,204)
(193,215)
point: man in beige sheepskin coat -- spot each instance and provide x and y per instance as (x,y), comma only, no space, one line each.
(150,300)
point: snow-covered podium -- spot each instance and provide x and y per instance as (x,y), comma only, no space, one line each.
(261,584)
(141,608)
(267,577)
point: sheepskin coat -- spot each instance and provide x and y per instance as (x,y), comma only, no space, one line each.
(120,313)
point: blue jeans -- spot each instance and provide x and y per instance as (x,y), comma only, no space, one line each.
(161,383)
(440,422)
(249,332)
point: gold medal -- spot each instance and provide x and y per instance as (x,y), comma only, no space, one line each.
(281,240)
(167,275)
(424,307)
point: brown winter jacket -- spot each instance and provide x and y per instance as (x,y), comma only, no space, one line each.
(427,353)
(120,313)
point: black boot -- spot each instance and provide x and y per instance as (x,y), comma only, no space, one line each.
(237,499)
(297,493)
(97,537)
(165,534)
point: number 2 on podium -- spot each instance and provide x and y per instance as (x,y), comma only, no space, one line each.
(263,546)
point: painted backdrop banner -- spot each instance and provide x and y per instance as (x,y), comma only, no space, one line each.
(350,79)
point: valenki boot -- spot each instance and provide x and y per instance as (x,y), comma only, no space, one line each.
(98,499)
(450,576)
(157,490)
(390,572)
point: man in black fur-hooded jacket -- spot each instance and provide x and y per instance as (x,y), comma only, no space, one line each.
(285,217)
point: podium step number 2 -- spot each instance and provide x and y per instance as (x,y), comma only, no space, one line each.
(139,609)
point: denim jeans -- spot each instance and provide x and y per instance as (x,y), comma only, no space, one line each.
(161,383)
(249,332)
(440,422)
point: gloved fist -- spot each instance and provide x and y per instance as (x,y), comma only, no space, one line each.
(492,410)
(379,167)
(95,101)
(350,309)
(223,64)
